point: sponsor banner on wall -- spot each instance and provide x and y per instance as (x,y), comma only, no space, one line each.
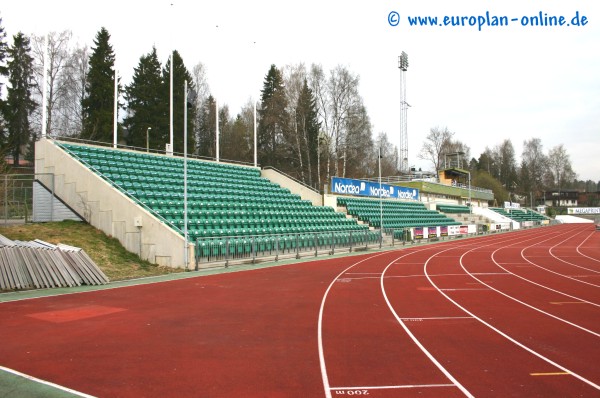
(347,186)
(444,230)
(418,233)
(432,232)
(583,210)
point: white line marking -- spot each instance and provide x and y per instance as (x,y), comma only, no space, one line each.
(506,335)
(490,273)
(591,258)
(436,318)
(392,387)
(47,383)
(324,375)
(416,341)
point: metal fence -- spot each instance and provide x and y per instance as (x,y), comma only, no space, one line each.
(16,202)
(252,248)
(229,250)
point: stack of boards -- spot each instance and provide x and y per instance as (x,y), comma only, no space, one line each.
(38,264)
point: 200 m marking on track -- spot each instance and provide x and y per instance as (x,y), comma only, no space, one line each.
(352,392)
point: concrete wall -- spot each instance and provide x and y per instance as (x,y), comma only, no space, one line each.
(295,187)
(110,210)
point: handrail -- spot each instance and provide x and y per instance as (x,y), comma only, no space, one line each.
(409,179)
(291,178)
(128,195)
(144,150)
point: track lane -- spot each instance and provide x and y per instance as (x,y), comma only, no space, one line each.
(454,285)
(359,334)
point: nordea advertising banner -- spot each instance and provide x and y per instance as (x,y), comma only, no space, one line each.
(347,186)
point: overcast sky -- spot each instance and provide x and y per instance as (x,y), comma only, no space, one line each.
(501,82)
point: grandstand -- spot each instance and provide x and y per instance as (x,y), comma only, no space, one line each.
(520,215)
(453,209)
(233,211)
(138,197)
(396,214)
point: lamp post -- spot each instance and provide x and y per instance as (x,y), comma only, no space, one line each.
(185,202)
(148,139)
(470,204)
(403,148)
(380,205)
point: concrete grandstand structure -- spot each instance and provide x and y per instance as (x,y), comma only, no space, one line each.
(239,212)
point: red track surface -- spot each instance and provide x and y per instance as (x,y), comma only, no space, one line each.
(506,315)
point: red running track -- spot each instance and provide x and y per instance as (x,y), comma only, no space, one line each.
(515,314)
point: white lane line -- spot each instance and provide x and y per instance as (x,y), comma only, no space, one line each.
(566,262)
(584,255)
(538,284)
(392,387)
(488,273)
(501,333)
(531,306)
(324,375)
(436,318)
(44,382)
(416,341)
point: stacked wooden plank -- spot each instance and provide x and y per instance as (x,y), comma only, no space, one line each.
(38,264)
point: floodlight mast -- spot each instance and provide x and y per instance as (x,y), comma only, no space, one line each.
(403,148)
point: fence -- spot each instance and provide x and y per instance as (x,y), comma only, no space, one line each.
(232,249)
(16,202)
(252,248)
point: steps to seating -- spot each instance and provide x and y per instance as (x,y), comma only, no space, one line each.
(224,200)
(395,214)
(520,215)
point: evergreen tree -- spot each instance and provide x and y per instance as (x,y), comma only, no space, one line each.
(308,128)
(3,73)
(19,104)
(98,103)
(180,74)
(274,122)
(147,107)
(241,134)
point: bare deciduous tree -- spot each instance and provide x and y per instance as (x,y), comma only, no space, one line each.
(57,64)
(435,146)
(560,167)
(535,159)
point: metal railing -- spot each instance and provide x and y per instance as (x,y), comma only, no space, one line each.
(278,246)
(215,251)
(16,203)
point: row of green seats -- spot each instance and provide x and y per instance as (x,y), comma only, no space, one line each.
(137,158)
(197,233)
(454,209)
(244,246)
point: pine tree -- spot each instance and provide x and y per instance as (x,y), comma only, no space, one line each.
(147,107)
(3,73)
(308,127)
(19,103)
(98,103)
(274,122)
(180,74)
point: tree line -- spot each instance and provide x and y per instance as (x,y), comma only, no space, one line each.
(497,168)
(311,123)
